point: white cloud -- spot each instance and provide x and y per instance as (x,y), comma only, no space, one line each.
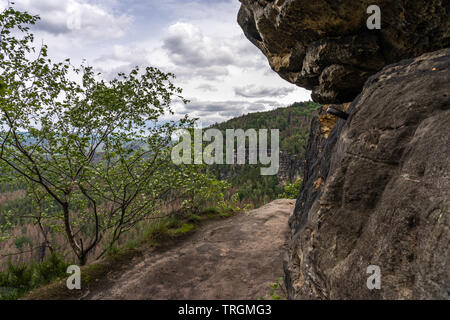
(195,54)
(225,109)
(77,18)
(187,52)
(197,40)
(252,91)
(207,87)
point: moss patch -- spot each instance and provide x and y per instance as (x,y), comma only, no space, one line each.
(184,229)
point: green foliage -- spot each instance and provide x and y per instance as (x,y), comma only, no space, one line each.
(184,229)
(277,291)
(211,212)
(292,190)
(254,187)
(200,188)
(94,155)
(16,280)
(158,229)
(21,241)
(54,268)
(294,123)
(228,207)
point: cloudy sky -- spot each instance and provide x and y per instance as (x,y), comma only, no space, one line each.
(221,72)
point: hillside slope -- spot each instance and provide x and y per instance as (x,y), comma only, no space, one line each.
(237,258)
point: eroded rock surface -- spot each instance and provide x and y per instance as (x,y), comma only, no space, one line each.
(325,46)
(377,191)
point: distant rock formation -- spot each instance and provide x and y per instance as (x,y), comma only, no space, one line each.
(328,48)
(290,169)
(376,188)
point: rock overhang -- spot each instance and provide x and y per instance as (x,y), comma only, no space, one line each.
(327,48)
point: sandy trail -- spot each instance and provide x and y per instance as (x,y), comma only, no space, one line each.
(236,258)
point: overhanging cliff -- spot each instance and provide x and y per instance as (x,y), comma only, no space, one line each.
(325,46)
(377,187)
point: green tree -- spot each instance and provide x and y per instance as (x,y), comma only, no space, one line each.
(96,149)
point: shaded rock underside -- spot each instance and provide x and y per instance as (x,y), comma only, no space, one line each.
(325,46)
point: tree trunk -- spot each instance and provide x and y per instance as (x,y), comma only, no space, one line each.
(75,247)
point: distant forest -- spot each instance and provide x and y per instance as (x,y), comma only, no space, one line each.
(294,124)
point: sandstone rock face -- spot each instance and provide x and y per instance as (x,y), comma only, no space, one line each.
(377,191)
(325,46)
(291,167)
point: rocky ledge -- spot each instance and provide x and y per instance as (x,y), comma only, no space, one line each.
(325,46)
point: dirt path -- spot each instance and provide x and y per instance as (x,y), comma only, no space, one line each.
(235,258)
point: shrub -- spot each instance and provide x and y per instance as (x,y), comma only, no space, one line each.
(18,279)
(21,241)
(184,229)
(292,190)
